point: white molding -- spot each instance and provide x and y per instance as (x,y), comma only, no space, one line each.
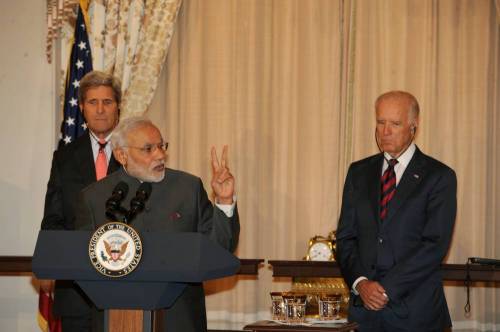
(473,325)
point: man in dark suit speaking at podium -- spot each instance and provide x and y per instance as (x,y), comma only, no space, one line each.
(177,202)
(395,227)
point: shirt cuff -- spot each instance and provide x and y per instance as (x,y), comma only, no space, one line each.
(228,209)
(356,282)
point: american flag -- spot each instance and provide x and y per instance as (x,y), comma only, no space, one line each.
(46,320)
(72,126)
(80,63)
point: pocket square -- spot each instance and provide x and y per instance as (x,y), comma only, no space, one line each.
(175,216)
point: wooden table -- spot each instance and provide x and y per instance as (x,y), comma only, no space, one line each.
(269,326)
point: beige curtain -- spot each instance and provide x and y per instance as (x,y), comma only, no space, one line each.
(59,12)
(129,38)
(290,86)
(446,53)
(263,77)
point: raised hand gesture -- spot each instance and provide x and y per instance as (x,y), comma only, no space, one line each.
(222,180)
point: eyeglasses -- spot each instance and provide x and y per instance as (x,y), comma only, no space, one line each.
(151,148)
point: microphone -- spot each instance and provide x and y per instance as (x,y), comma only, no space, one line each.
(113,203)
(138,203)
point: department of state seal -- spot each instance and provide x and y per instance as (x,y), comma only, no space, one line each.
(115,249)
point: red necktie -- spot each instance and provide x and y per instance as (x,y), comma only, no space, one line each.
(388,188)
(101,162)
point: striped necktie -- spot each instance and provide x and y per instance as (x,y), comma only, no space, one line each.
(388,188)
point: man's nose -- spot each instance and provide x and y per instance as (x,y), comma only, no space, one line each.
(159,153)
(386,130)
(100,107)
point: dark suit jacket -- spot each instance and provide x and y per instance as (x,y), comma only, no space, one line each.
(178,203)
(72,170)
(404,252)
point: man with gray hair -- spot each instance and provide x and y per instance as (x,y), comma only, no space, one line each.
(395,227)
(177,203)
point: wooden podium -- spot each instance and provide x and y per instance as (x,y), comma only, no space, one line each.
(126,320)
(166,266)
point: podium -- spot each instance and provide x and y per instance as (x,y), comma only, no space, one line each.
(169,261)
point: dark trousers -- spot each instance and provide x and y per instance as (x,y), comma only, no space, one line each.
(93,322)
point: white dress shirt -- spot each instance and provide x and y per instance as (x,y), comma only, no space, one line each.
(95,146)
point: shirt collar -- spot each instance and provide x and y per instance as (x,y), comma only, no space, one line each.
(94,138)
(405,158)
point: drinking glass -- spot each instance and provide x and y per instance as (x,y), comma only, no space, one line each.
(295,308)
(329,306)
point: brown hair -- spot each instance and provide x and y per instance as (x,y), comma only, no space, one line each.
(96,79)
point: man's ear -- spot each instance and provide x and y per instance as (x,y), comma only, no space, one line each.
(120,155)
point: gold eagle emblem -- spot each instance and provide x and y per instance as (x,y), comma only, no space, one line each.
(115,251)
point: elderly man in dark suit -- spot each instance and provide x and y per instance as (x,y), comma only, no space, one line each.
(395,227)
(178,203)
(74,166)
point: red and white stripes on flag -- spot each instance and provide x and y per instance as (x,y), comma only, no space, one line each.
(46,320)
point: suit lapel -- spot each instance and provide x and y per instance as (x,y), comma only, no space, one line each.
(85,159)
(114,165)
(412,176)
(375,171)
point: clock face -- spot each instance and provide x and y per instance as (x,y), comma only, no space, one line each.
(320,251)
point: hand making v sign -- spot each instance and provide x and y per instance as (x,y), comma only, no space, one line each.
(222,179)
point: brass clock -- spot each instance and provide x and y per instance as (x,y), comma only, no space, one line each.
(321,248)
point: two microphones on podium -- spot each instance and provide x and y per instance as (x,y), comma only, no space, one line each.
(137,203)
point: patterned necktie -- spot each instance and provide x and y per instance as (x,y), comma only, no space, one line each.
(101,162)
(388,188)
